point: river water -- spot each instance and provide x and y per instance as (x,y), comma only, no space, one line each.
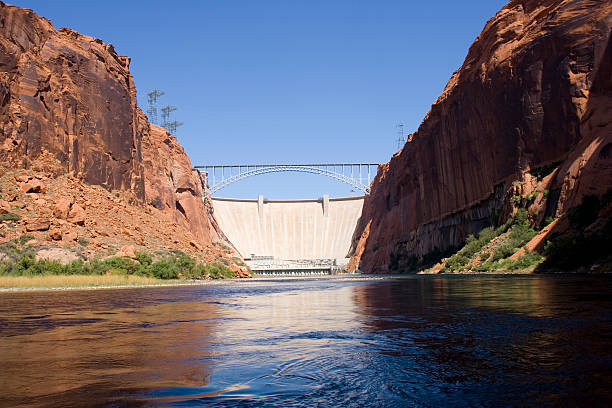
(416,342)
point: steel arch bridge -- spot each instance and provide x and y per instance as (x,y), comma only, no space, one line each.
(357,175)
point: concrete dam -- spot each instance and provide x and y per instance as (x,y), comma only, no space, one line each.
(308,235)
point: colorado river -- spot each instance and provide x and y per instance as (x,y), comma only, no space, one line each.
(415,341)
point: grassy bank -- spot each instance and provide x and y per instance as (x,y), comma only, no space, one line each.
(77,281)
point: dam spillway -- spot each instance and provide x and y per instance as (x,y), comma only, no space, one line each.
(289,229)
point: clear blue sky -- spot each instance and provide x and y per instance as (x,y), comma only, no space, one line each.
(285,80)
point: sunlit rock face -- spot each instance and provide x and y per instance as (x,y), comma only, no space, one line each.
(533,91)
(69,95)
(69,99)
(174,186)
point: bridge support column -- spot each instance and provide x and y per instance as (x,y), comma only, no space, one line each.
(325,205)
(260,205)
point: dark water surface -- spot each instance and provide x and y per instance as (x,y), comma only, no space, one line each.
(421,341)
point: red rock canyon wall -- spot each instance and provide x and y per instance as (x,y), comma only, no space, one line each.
(70,98)
(533,91)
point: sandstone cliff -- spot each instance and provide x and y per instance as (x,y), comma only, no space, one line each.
(174,186)
(529,110)
(68,106)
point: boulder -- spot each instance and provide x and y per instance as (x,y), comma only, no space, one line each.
(196,245)
(38,224)
(70,236)
(76,215)
(240,271)
(62,255)
(33,186)
(62,208)
(55,234)
(5,207)
(128,251)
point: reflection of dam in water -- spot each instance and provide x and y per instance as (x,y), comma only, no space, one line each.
(297,236)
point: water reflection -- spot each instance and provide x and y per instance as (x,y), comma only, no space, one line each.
(97,347)
(435,341)
(518,341)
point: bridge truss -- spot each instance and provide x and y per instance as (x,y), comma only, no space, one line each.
(358,175)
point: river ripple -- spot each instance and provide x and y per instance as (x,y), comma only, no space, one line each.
(416,342)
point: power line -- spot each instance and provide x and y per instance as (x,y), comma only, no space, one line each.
(152,99)
(401,139)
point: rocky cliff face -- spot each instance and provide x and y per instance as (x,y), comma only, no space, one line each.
(174,186)
(69,99)
(532,97)
(70,96)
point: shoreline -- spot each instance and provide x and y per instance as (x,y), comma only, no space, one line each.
(347,277)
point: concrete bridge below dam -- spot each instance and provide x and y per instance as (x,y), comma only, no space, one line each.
(290,237)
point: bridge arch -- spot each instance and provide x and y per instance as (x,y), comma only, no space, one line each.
(357,175)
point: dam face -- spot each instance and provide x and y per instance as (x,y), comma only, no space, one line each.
(297,230)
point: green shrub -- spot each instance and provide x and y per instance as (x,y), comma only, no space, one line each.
(144,258)
(520,218)
(9,217)
(545,193)
(185,263)
(221,245)
(457,262)
(171,267)
(218,271)
(472,247)
(222,260)
(529,260)
(164,269)
(502,252)
(520,233)
(25,238)
(119,264)
(5,267)
(237,261)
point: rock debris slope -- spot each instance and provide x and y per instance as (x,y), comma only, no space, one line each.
(532,100)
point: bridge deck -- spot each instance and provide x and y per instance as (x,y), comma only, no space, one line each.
(358,175)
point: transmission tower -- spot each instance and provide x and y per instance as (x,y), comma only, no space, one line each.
(166,111)
(152,110)
(401,139)
(171,126)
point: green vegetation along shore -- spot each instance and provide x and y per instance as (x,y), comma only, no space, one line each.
(20,268)
(583,247)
